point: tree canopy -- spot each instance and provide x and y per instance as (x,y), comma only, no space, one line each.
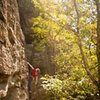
(69,27)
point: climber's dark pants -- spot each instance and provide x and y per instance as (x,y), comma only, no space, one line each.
(29,83)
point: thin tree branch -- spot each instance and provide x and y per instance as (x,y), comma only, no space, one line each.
(92,77)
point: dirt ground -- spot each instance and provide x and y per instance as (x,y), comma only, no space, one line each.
(38,93)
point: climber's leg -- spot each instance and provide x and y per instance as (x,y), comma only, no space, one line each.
(29,84)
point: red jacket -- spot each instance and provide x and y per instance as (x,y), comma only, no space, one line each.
(34,73)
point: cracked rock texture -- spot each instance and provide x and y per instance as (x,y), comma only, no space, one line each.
(13,69)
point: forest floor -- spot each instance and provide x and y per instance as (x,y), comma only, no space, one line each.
(38,93)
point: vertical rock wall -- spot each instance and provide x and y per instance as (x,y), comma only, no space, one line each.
(13,70)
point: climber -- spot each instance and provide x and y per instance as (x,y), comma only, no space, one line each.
(33,76)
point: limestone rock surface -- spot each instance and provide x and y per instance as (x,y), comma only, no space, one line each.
(13,69)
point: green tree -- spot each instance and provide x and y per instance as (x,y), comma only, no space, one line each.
(70,32)
(98,39)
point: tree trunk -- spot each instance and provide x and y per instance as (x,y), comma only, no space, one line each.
(92,77)
(98,40)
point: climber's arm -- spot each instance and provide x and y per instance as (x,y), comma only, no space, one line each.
(30,65)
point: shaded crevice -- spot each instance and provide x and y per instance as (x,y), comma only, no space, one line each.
(11,37)
(3,81)
(2,18)
(9,95)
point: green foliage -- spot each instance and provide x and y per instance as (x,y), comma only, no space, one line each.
(55,27)
(52,84)
(70,88)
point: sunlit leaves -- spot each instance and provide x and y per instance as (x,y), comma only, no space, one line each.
(56,26)
(69,88)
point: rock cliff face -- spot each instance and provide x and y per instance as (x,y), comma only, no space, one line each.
(13,70)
